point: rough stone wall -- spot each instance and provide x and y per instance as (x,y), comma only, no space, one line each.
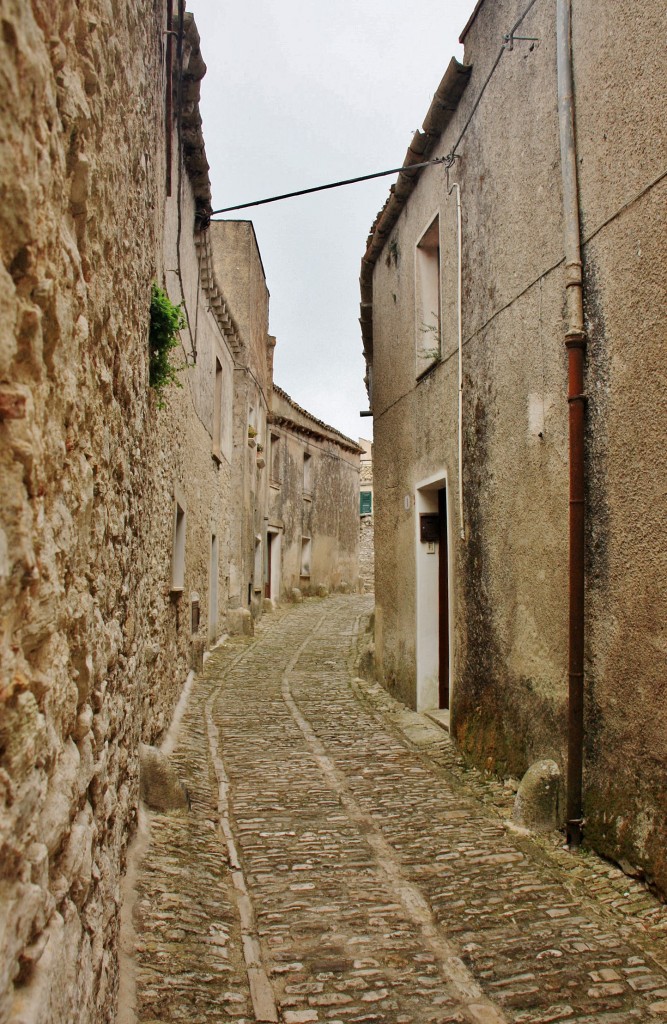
(95,642)
(82,130)
(509,576)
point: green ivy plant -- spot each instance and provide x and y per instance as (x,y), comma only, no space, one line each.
(165,323)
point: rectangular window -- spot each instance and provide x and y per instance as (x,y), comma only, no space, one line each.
(427,296)
(217,411)
(252,422)
(306,547)
(307,473)
(178,548)
(365,503)
(275,458)
(259,565)
(194,613)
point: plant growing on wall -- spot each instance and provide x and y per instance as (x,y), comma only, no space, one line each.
(166,320)
(393,253)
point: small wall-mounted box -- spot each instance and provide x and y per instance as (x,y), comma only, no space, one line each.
(429,527)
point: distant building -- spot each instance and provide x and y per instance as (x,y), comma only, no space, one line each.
(366,539)
(313,532)
(471,453)
(238,263)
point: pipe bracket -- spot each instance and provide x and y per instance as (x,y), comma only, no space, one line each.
(577,398)
(575,338)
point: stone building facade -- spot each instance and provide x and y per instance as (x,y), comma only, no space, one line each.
(238,263)
(471,431)
(313,471)
(120,557)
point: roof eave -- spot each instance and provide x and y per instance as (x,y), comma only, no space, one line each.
(439,114)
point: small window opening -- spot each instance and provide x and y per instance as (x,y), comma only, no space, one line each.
(217,411)
(306,548)
(307,473)
(178,550)
(194,613)
(275,458)
(428,326)
(259,564)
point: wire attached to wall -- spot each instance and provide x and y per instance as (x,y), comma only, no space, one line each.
(508,44)
(332,184)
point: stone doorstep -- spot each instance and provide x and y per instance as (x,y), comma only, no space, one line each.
(440,716)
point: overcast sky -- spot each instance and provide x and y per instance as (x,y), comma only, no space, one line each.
(300,93)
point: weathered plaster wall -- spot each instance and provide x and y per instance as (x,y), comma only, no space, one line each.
(509,575)
(626,293)
(82,129)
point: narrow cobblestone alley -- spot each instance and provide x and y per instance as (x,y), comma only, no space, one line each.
(339,864)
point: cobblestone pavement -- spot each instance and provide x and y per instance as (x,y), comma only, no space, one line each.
(340,864)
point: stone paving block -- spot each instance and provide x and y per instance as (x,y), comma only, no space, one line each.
(380,885)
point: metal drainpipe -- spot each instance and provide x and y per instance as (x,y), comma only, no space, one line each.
(456,186)
(575,342)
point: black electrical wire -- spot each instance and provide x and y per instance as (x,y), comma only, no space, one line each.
(333,184)
(394,170)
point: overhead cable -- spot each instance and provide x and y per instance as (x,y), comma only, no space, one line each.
(333,184)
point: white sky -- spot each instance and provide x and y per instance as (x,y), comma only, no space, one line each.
(300,93)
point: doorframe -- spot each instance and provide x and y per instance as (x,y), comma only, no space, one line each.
(274,561)
(427,624)
(213,585)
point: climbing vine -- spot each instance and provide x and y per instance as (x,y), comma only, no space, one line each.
(166,320)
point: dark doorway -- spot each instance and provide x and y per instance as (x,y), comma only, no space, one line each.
(267,582)
(443,601)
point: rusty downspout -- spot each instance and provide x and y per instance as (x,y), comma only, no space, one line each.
(575,342)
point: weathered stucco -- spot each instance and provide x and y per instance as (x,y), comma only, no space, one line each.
(508,576)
